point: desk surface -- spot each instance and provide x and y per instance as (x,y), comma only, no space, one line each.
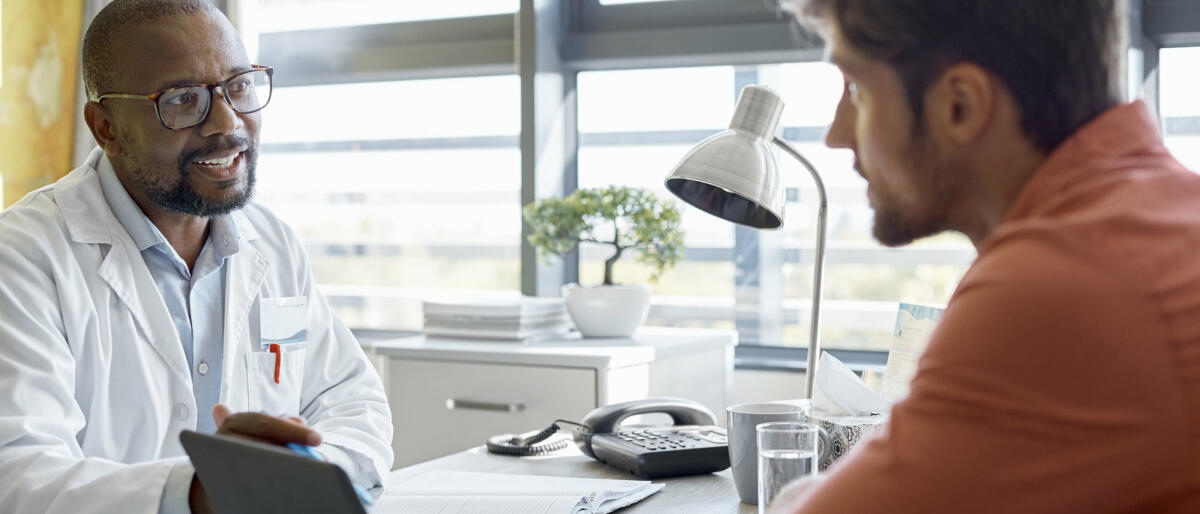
(703,494)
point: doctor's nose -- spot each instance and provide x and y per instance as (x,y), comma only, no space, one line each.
(222,119)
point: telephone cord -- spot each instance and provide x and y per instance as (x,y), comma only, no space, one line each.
(531,443)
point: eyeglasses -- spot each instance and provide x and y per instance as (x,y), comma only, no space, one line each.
(187,106)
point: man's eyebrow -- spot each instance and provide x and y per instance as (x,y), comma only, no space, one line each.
(238,69)
(188,82)
(177,83)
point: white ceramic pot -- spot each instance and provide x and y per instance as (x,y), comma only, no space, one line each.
(607,311)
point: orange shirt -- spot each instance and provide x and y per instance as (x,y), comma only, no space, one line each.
(1064,375)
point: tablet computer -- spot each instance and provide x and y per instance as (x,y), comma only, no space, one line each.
(242,476)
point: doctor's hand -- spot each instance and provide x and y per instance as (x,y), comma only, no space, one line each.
(264,428)
(255,426)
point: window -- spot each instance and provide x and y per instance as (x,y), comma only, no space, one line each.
(1180,103)
(285,15)
(636,124)
(398,189)
(618,2)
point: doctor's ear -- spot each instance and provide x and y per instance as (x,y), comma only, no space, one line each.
(99,121)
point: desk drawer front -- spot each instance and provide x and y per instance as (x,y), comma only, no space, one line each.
(442,407)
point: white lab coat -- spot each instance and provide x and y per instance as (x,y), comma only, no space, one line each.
(94,384)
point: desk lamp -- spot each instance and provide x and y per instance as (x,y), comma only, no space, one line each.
(733,175)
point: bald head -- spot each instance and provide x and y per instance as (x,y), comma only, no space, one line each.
(136,48)
(99,43)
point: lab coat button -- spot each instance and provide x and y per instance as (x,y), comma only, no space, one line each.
(202,368)
(181,411)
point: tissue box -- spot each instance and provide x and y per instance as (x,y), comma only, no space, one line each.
(844,432)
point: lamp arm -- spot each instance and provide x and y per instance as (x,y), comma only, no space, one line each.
(814,331)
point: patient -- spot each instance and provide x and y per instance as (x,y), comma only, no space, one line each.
(1065,373)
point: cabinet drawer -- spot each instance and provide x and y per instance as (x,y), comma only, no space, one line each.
(441,407)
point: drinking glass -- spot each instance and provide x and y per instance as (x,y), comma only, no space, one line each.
(787,450)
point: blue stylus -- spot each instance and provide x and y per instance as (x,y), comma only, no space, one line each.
(308,451)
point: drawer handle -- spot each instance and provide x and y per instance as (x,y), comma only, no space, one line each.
(458,403)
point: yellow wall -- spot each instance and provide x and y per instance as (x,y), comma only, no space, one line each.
(37,92)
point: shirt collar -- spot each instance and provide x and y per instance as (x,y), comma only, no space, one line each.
(223,231)
(1120,131)
(143,232)
(223,236)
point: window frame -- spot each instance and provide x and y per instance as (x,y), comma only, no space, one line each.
(569,36)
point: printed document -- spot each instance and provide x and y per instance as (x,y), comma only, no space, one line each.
(466,492)
(914,327)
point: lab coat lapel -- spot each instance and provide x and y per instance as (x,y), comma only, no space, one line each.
(247,269)
(90,221)
(125,272)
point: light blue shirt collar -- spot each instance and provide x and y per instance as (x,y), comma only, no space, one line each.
(223,232)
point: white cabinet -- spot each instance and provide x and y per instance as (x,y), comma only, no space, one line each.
(448,395)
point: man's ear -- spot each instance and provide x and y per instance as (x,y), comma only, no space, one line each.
(99,121)
(962,103)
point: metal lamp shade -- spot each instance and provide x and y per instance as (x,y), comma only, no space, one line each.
(732,174)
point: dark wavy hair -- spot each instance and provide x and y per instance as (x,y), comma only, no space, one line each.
(1060,59)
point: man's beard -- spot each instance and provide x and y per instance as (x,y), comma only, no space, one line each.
(897,225)
(893,228)
(182,198)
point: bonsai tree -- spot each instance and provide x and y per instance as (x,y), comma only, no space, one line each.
(634,218)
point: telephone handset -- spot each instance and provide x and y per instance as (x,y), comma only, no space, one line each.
(692,446)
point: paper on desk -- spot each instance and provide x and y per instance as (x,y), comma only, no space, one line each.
(837,391)
(474,504)
(492,493)
(914,327)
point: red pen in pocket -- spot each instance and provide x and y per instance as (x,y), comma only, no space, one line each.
(278,359)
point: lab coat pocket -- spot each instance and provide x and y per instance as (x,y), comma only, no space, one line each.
(275,397)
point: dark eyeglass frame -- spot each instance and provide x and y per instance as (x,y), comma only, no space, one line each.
(153,98)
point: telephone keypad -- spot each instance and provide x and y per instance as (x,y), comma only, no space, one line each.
(665,450)
(653,440)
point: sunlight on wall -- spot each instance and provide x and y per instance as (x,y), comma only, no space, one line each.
(37,96)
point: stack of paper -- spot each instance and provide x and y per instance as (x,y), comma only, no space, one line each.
(466,492)
(517,319)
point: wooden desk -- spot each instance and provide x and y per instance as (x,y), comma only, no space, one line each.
(702,494)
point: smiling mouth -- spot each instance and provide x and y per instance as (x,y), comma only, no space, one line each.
(220,167)
(217,162)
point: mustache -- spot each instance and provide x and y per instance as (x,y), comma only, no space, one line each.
(223,144)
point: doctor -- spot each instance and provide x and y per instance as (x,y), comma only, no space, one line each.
(140,295)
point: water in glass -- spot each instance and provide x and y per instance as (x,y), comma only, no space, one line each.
(776,468)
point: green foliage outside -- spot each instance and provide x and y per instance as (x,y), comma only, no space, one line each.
(622,217)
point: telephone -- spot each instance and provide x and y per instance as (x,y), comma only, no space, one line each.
(692,446)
